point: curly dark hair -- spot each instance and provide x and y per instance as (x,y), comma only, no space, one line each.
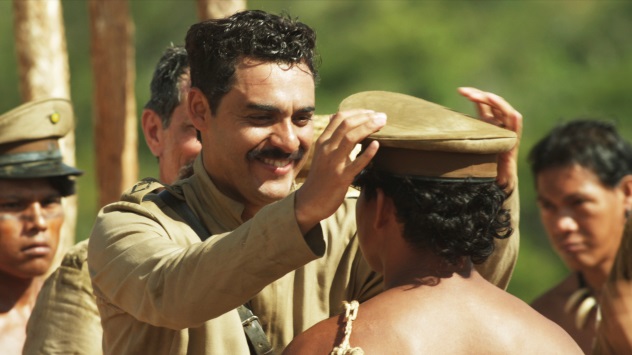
(166,83)
(593,144)
(454,219)
(215,47)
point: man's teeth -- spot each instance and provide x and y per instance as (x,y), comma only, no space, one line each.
(276,163)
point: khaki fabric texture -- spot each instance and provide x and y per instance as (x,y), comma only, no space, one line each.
(48,118)
(422,138)
(176,320)
(29,136)
(417,124)
(65,319)
(162,291)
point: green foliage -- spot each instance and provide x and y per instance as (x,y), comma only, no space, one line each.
(552,60)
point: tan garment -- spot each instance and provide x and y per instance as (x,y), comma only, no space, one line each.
(162,291)
(65,319)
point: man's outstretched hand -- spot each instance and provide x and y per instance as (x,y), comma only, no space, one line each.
(332,170)
(495,110)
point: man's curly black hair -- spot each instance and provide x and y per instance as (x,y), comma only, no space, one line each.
(453,219)
(216,46)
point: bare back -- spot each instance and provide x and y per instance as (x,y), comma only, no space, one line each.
(457,316)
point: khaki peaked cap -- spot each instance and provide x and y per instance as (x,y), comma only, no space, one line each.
(29,136)
(425,139)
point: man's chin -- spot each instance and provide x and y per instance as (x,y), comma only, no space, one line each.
(276,190)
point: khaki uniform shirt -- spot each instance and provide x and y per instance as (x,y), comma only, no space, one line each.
(160,290)
(65,319)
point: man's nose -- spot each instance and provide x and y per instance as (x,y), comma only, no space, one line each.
(284,136)
(35,214)
(566,223)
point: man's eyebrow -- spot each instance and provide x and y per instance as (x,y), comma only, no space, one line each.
(307,109)
(270,108)
(262,107)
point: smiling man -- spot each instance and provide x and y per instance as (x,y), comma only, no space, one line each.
(33,182)
(171,277)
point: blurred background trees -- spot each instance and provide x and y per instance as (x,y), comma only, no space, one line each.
(552,60)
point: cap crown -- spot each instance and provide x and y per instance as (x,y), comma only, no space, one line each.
(422,138)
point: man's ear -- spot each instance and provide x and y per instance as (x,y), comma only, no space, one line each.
(199,109)
(384,209)
(626,187)
(152,130)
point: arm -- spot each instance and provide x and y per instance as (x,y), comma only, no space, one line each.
(494,109)
(156,269)
(171,280)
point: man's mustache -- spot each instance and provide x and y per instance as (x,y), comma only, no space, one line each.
(275,153)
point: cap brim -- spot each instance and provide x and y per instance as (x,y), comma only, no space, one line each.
(39,169)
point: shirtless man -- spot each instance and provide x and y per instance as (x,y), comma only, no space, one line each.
(430,208)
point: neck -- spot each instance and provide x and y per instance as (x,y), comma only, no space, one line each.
(424,268)
(18,292)
(595,278)
(249,212)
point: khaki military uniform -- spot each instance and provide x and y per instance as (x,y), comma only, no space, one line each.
(65,319)
(162,291)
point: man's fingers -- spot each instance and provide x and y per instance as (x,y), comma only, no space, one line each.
(340,117)
(494,109)
(351,128)
(363,159)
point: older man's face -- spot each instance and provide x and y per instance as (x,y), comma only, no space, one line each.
(255,144)
(31,216)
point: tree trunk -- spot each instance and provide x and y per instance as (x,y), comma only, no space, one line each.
(43,70)
(213,9)
(115,137)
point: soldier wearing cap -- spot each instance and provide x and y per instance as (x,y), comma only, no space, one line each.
(431,208)
(33,181)
(67,296)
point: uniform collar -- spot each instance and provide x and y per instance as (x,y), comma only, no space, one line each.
(218,212)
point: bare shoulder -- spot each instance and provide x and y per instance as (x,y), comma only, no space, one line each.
(527,331)
(319,339)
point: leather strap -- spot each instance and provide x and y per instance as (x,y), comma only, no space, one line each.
(257,340)
(184,211)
